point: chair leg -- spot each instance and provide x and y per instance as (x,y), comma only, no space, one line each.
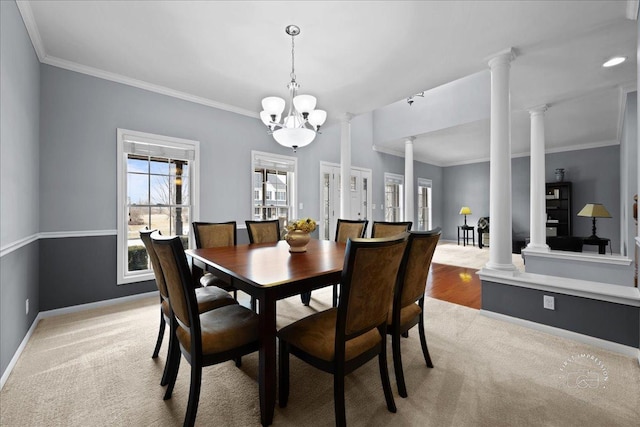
(194,393)
(338,398)
(254,305)
(384,374)
(335,295)
(172,365)
(160,336)
(283,382)
(305,297)
(397,364)
(423,342)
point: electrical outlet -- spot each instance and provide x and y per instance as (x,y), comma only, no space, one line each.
(548,302)
(26,303)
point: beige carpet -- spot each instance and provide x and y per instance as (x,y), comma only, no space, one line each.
(451,253)
(94,369)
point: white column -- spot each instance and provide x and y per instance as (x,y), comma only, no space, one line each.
(537,188)
(500,164)
(409,196)
(345,166)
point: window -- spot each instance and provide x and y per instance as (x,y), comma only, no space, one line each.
(158,189)
(274,184)
(393,201)
(424,204)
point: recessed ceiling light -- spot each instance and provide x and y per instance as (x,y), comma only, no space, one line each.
(614,61)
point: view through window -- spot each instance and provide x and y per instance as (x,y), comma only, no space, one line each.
(393,200)
(273,186)
(156,182)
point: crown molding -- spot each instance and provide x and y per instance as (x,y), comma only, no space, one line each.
(24,7)
(106,75)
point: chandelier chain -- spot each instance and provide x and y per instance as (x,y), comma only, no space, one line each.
(293,68)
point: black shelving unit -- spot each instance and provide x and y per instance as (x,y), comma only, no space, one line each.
(558,205)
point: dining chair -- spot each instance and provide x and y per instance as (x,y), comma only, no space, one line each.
(207,298)
(339,340)
(263,231)
(215,336)
(348,229)
(408,300)
(214,235)
(386,229)
(345,229)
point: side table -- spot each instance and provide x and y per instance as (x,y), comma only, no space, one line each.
(601,242)
(466,231)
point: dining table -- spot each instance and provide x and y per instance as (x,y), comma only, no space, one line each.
(269,272)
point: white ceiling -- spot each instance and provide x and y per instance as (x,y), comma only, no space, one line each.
(360,56)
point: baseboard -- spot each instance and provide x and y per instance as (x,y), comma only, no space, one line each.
(65,310)
(563,333)
(98,304)
(16,356)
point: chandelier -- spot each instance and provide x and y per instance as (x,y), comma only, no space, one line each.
(302,121)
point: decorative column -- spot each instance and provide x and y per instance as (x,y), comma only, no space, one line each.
(537,188)
(500,164)
(409,196)
(345,166)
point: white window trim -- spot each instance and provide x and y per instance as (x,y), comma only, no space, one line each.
(294,190)
(124,277)
(424,182)
(388,176)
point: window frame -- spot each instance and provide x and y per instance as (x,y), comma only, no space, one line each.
(292,181)
(123,275)
(427,184)
(397,179)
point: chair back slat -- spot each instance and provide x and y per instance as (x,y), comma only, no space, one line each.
(368,282)
(350,229)
(388,229)
(145,236)
(177,277)
(215,234)
(263,231)
(412,278)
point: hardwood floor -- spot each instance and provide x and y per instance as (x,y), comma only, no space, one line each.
(459,285)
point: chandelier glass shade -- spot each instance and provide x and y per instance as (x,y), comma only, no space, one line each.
(302,121)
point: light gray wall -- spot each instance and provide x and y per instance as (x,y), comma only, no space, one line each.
(628,174)
(588,170)
(19,116)
(19,132)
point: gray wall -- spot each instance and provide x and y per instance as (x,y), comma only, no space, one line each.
(590,171)
(19,210)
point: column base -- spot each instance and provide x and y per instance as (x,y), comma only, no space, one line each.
(501,267)
(538,247)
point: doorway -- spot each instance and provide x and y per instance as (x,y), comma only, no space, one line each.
(360,197)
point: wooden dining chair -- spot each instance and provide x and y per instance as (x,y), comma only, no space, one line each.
(345,229)
(214,235)
(263,231)
(339,340)
(348,229)
(386,229)
(408,300)
(216,336)
(207,298)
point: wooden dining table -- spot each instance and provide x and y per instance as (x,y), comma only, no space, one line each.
(269,272)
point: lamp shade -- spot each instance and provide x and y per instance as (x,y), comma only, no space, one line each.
(294,137)
(465,210)
(594,210)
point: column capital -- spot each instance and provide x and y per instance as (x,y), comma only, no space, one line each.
(540,109)
(409,139)
(503,57)
(346,117)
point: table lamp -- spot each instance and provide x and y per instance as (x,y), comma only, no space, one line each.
(465,211)
(594,210)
